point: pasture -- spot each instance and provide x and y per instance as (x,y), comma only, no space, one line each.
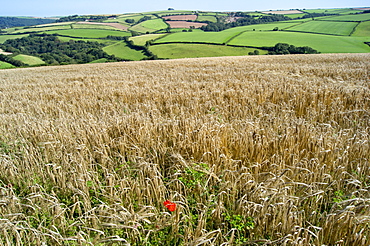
(358,17)
(174,51)
(149,26)
(262,150)
(142,39)
(30,60)
(322,43)
(4,65)
(325,27)
(120,49)
(89,33)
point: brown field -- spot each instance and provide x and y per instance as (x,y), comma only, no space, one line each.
(257,150)
(180,17)
(116,25)
(283,12)
(184,24)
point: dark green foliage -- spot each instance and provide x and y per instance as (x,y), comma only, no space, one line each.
(129,21)
(284,49)
(6,22)
(245,21)
(84,18)
(53,51)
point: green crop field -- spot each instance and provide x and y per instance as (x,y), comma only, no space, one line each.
(325,27)
(122,18)
(120,49)
(172,51)
(30,60)
(209,18)
(4,65)
(141,40)
(149,26)
(362,30)
(358,17)
(89,33)
(322,43)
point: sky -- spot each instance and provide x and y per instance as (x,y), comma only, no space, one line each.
(48,8)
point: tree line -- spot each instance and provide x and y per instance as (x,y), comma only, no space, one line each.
(54,52)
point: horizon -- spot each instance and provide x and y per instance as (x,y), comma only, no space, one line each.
(44,8)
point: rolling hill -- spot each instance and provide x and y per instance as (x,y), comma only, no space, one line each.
(177,34)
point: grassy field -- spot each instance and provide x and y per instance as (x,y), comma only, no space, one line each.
(149,26)
(263,150)
(362,30)
(322,43)
(358,17)
(326,27)
(89,33)
(3,38)
(205,37)
(141,40)
(210,18)
(332,11)
(30,60)
(120,49)
(4,65)
(173,51)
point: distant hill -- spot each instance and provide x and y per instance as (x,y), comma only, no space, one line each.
(7,22)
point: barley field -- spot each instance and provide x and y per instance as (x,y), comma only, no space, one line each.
(257,150)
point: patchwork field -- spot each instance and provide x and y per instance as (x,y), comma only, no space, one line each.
(149,26)
(120,49)
(258,150)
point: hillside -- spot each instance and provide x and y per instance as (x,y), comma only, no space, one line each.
(173,34)
(253,150)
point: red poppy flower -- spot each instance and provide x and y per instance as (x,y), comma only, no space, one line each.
(170,205)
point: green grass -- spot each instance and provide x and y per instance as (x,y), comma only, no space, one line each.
(193,37)
(325,27)
(90,33)
(172,51)
(362,30)
(102,60)
(4,65)
(3,38)
(322,43)
(141,40)
(209,18)
(120,49)
(357,17)
(122,18)
(293,16)
(30,60)
(149,26)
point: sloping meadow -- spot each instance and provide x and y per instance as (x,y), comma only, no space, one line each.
(247,150)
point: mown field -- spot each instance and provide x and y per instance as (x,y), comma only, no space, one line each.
(262,150)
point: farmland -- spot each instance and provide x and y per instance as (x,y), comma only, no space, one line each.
(327,31)
(325,27)
(254,150)
(30,60)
